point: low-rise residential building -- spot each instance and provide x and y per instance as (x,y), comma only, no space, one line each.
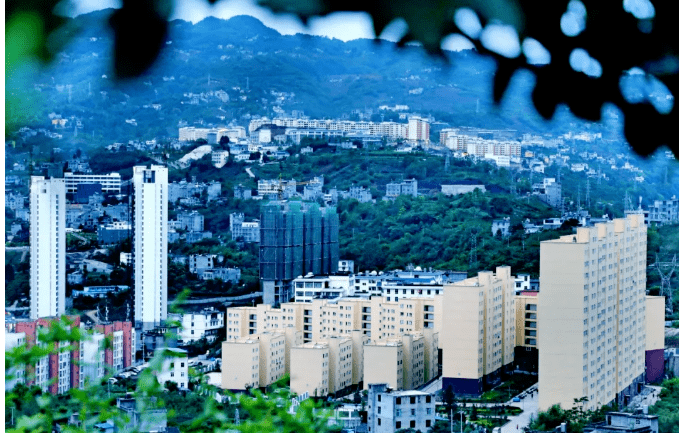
(500,227)
(201,262)
(323,287)
(245,231)
(224,274)
(390,411)
(205,323)
(191,221)
(175,368)
(113,233)
(407,187)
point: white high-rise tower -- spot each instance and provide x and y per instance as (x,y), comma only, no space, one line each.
(48,247)
(150,245)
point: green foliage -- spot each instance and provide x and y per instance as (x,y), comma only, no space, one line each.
(667,408)
(576,418)
(35,411)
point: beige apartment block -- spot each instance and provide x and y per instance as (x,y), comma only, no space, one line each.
(310,369)
(413,360)
(340,365)
(478,334)
(526,351)
(655,338)
(383,363)
(293,338)
(358,340)
(376,317)
(271,357)
(526,306)
(592,321)
(240,364)
(431,354)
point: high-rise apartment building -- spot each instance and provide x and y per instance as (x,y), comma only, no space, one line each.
(150,245)
(48,247)
(418,129)
(478,334)
(295,240)
(592,321)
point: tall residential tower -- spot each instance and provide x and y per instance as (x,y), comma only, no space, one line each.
(150,245)
(592,321)
(48,247)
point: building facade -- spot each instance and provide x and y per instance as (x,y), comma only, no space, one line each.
(478,335)
(110,183)
(47,247)
(149,246)
(592,320)
(295,240)
(390,411)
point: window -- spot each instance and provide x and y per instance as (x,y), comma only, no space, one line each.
(398,424)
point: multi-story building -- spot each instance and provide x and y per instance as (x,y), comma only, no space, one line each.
(16,374)
(113,233)
(175,368)
(404,362)
(315,378)
(332,372)
(257,360)
(323,287)
(149,246)
(58,371)
(526,349)
(390,411)
(295,241)
(110,183)
(376,318)
(191,221)
(201,262)
(655,338)
(47,247)
(663,211)
(478,335)
(220,157)
(383,363)
(407,187)
(241,230)
(205,323)
(592,321)
(240,363)
(418,129)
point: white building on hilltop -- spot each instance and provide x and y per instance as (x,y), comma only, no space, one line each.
(150,245)
(48,247)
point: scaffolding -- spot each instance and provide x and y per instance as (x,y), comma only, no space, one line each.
(296,240)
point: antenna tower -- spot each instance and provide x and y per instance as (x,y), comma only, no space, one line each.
(446,167)
(666,269)
(587,203)
(578,197)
